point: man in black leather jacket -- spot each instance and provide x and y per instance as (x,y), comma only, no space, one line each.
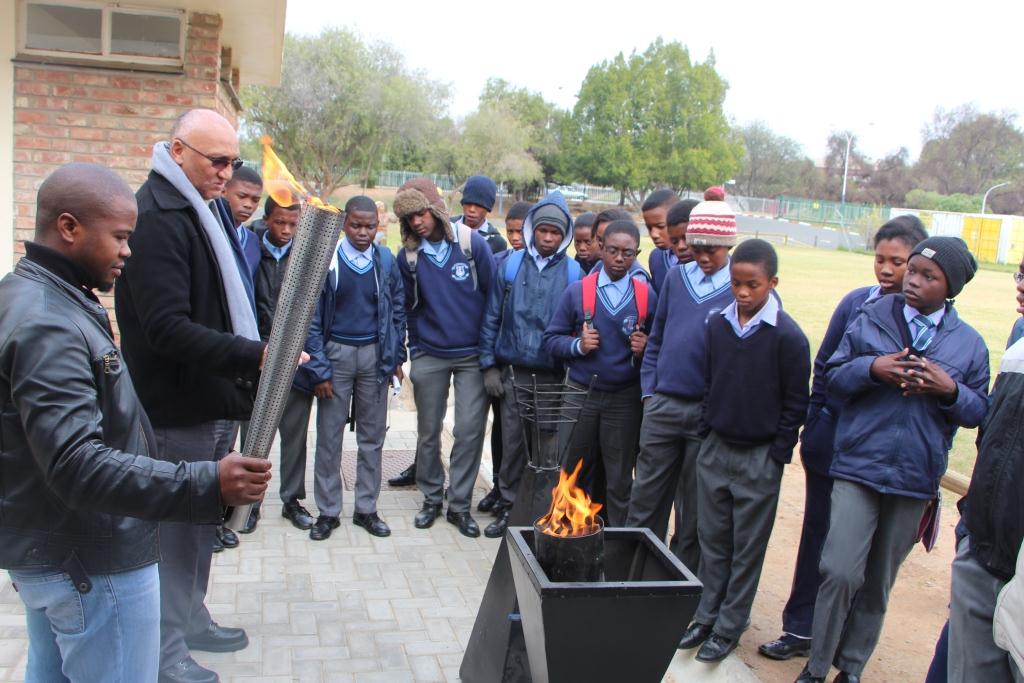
(78,489)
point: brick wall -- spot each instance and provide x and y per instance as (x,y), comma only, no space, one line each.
(111,117)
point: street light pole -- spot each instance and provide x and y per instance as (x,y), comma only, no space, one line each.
(846,166)
(985,197)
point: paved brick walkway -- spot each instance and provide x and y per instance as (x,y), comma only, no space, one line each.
(353,608)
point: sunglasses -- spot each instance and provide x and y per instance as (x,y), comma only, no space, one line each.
(219,163)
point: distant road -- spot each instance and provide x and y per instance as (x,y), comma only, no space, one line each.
(825,238)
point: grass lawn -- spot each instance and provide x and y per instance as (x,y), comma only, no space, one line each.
(812,281)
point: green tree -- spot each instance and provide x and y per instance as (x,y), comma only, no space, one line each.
(966,152)
(495,142)
(650,119)
(544,120)
(341,102)
(858,170)
(773,165)
(933,201)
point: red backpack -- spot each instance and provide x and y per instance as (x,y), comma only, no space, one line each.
(590,298)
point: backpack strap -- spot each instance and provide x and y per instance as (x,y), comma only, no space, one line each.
(411,256)
(589,297)
(573,272)
(465,237)
(512,265)
(640,297)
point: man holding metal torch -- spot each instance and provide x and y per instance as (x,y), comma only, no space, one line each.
(191,343)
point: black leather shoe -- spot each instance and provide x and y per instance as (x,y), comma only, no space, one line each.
(806,677)
(496,529)
(466,524)
(424,519)
(188,671)
(250,524)
(694,635)
(218,638)
(372,523)
(786,647)
(227,537)
(406,478)
(217,545)
(844,677)
(321,531)
(488,502)
(716,648)
(297,515)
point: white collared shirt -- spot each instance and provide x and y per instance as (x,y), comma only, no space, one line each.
(360,259)
(705,284)
(768,315)
(614,290)
(436,250)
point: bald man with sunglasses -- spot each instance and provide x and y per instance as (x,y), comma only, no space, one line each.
(189,336)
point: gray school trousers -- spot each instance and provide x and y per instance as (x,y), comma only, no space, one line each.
(869,536)
(973,654)
(432,377)
(737,494)
(354,370)
(666,469)
(514,434)
(186,549)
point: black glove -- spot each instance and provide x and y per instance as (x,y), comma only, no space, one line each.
(492,383)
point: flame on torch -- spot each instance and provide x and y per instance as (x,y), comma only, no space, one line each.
(282,185)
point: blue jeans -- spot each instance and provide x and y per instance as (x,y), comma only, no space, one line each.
(111,633)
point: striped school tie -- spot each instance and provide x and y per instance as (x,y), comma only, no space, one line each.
(925,332)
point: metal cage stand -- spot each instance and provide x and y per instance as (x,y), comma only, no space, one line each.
(497,649)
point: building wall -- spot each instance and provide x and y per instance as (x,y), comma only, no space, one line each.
(8,44)
(106,116)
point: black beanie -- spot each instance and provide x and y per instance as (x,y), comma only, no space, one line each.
(952,256)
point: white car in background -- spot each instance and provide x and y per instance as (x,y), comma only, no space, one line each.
(569,193)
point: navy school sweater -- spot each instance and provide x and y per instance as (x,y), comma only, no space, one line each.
(355,313)
(612,362)
(678,329)
(446,322)
(660,263)
(756,387)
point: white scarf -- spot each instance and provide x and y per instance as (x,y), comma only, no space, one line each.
(243,321)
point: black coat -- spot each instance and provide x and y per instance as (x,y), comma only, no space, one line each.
(74,440)
(267,280)
(187,365)
(994,507)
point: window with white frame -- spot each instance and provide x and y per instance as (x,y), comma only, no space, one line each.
(97,31)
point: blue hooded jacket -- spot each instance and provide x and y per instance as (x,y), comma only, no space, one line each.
(390,323)
(892,443)
(519,311)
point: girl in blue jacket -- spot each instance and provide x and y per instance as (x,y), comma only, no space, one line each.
(909,372)
(893,244)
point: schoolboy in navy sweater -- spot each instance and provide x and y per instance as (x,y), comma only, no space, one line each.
(445,295)
(893,243)
(587,251)
(655,213)
(355,343)
(757,363)
(909,373)
(607,348)
(672,383)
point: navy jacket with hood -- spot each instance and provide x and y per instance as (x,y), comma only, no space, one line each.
(390,323)
(884,440)
(518,312)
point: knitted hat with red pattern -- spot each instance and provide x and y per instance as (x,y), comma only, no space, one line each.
(712,224)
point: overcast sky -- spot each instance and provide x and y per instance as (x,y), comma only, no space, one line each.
(876,68)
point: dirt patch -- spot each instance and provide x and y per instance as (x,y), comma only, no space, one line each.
(917,608)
